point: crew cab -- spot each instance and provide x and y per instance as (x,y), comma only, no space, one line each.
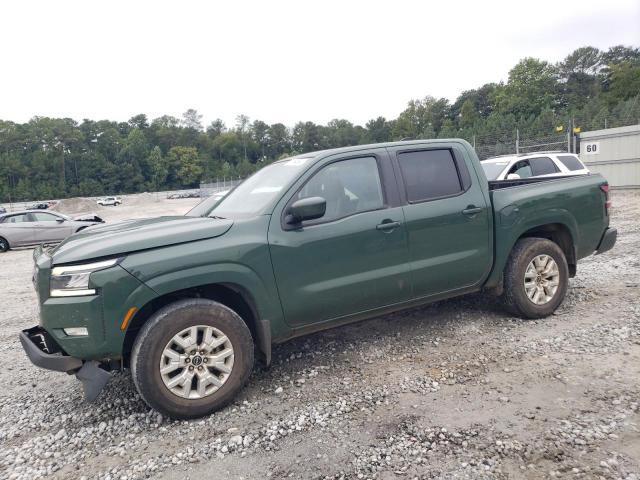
(527,165)
(305,244)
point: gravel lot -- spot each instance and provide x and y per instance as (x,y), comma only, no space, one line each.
(458,389)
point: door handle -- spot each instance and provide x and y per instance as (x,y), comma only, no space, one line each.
(387,226)
(471,210)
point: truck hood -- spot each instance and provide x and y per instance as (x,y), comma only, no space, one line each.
(134,235)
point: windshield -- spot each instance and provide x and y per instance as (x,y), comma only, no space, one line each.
(493,170)
(255,193)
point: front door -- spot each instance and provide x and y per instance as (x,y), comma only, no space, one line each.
(355,257)
(49,227)
(447,218)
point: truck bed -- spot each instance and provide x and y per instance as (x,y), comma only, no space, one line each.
(572,203)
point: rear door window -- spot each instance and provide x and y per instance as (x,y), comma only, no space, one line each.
(16,219)
(571,162)
(542,166)
(429,174)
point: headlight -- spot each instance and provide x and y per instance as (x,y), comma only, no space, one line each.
(73,281)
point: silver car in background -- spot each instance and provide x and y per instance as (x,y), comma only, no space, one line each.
(32,227)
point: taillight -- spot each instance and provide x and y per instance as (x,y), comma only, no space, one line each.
(607,203)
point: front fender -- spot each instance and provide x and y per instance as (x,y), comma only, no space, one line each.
(239,259)
(219,273)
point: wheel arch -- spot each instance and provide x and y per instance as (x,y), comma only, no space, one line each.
(559,234)
(232,295)
(563,233)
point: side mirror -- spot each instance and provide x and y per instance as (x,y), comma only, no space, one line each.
(60,220)
(306,209)
(513,176)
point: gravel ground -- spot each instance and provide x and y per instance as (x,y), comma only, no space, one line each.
(457,389)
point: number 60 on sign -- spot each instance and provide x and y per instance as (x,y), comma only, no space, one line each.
(591,148)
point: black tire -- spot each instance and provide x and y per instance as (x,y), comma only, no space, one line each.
(161,328)
(515,298)
(4,245)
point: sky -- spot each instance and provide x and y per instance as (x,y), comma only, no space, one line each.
(279,61)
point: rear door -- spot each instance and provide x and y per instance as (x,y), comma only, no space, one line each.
(447,218)
(355,257)
(17,229)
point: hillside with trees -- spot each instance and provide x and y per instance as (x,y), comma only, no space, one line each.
(50,158)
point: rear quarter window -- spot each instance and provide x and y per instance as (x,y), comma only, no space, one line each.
(571,162)
(429,174)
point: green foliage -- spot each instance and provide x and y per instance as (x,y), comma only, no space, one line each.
(58,157)
(532,86)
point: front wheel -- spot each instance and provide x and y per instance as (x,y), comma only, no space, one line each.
(535,279)
(191,358)
(4,245)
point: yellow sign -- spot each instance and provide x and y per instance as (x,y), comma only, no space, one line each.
(560,128)
(576,129)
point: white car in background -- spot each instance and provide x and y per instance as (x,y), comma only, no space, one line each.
(539,164)
(115,201)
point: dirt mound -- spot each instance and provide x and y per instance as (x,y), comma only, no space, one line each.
(141,198)
(75,205)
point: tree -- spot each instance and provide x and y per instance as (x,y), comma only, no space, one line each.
(378,130)
(215,128)
(624,82)
(306,137)
(422,118)
(191,119)
(242,122)
(578,74)
(139,121)
(532,86)
(158,168)
(260,134)
(279,140)
(184,166)
(468,114)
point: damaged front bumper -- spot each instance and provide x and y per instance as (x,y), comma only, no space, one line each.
(44,352)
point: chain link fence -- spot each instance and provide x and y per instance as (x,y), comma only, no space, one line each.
(515,142)
(219,185)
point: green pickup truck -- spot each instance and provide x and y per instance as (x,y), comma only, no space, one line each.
(305,244)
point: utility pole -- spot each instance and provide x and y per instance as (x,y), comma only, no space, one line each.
(517,141)
(64,180)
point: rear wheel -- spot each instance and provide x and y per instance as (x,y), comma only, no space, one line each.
(191,358)
(535,279)
(4,245)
